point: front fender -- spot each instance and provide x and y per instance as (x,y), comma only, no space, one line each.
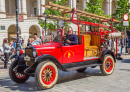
(13,56)
(107,52)
(20,62)
(49,57)
(16,57)
(42,58)
(20,59)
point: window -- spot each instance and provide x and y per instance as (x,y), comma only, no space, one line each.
(35,11)
(2,27)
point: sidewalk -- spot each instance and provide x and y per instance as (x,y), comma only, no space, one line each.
(2,70)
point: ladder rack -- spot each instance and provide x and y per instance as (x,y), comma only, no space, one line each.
(77,12)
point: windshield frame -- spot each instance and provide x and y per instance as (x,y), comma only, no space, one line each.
(60,34)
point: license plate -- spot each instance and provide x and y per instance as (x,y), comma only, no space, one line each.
(27,58)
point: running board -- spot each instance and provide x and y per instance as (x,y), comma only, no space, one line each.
(81,67)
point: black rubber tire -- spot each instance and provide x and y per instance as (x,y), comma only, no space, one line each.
(13,75)
(39,70)
(81,70)
(102,67)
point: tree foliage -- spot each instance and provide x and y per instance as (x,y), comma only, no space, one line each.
(53,24)
(95,7)
(122,8)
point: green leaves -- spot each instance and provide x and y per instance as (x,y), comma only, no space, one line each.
(53,24)
(95,7)
(120,11)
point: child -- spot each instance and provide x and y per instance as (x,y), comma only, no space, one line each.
(32,42)
(29,42)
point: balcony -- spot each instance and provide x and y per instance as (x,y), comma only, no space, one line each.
(32,16)
(13,16)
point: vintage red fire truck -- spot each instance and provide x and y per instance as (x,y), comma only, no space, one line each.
(44,61)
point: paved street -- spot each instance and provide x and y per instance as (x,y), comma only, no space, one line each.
(90,81)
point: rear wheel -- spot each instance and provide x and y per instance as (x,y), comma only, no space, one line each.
(108,65)
(81,70)
(46,74)
(16,76)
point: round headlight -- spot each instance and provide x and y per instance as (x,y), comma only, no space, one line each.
(18,53)
(34,54)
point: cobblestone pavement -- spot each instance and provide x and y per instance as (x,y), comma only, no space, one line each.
(90,81)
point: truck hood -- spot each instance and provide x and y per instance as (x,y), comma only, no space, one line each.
(48,45)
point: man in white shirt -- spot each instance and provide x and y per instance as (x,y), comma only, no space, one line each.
(37,40)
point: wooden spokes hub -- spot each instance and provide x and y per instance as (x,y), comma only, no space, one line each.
(108,65)
(48,74)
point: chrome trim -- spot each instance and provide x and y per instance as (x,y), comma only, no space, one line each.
(45,48)
(87,58)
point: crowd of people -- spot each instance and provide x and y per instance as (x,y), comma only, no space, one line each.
(34,41)
(127,41)
(121,42)
(7,48)
(70,39)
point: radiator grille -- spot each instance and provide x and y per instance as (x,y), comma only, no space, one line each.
(29,52)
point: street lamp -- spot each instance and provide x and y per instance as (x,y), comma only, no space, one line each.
(45,14)
(17,26)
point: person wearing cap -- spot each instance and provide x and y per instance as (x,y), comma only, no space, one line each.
(71,39)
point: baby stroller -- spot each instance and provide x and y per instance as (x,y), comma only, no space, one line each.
(2,56)
(11,53)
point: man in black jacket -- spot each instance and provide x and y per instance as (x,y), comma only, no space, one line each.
(128,40)
(128,35)
(71,39)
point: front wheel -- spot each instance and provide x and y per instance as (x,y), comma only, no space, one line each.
(16,76)
(46,74)
(108,65)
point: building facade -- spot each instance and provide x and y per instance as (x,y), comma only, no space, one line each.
(28,9)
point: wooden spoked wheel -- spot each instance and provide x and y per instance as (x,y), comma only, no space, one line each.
(108,65)
(46,74)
